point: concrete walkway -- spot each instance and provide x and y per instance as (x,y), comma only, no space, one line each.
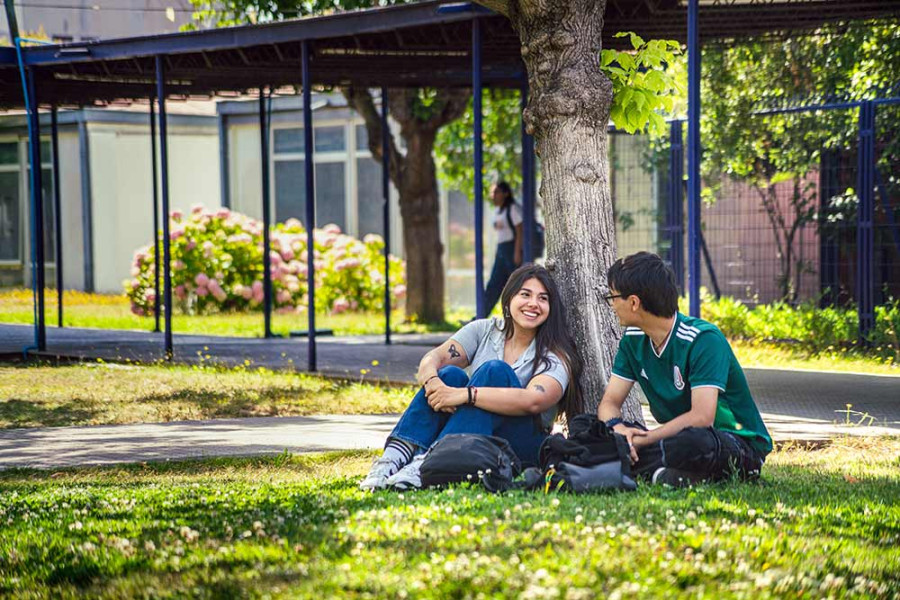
(54,447)
(796,405)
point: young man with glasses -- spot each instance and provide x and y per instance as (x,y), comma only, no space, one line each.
(711,428)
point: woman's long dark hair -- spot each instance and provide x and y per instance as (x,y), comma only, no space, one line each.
(552,335)
(507,190)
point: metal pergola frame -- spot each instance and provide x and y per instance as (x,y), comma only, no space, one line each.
(430,43)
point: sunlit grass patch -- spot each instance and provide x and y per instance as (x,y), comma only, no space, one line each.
(104,393)
(821,523)
(112,311)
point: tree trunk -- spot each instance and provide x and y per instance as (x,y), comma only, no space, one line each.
(421,230)
(568,114)
(415,177)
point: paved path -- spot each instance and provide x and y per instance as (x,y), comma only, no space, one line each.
(54,447)
(798,405)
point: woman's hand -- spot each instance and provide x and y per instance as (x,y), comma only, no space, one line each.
(425,374)
(443,398)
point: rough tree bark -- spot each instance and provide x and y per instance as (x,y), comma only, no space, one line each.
(415,177)
(568,113)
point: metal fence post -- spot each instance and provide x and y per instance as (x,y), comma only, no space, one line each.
(57,214)
(527,182)
(865,239)
(676,203)
(386,214)
(267,215)
(479,169)
(164,185)
(310,205)
(693,158)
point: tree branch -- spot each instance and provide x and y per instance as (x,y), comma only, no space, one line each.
(455,102)
(500,6)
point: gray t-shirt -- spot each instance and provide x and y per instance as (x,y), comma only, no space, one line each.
(483,341)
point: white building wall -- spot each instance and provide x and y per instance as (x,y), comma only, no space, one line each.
(122,192)
(245,174)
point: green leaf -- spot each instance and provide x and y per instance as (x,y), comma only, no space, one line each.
(607,57)
(636,40)
(626,61)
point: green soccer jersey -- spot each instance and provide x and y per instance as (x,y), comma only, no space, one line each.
(695,355)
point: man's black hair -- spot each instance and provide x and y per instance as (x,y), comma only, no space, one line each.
(646,276)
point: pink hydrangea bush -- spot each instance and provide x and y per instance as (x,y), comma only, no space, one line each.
(217,267)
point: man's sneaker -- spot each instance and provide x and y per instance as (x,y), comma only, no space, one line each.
(676,477)
(382,469)
(408,477)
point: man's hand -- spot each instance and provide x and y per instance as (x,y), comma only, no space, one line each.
(634,437)
(443,398)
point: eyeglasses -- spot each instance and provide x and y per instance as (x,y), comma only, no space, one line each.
(609,298)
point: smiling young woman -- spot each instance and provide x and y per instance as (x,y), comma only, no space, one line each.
(524,374)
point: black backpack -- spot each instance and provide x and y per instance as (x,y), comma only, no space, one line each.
(537,235)
(461,457)
(592,458)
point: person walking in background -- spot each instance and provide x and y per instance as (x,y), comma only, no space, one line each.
(508,225)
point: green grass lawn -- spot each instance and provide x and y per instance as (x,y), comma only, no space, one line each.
(822,523)
(108,311)
(102,394)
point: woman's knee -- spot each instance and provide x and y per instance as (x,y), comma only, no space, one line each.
(495,373)
(496,366)
(453,376)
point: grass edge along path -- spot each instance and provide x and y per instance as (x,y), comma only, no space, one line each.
(823,523)
(109,311)
(101,393)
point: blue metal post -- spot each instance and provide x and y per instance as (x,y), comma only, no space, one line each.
(310,203)
(224,169)
(386,215)
(693,141)
(37,213)
(527,181)
(479,170)
(865,239)
(155,175)
(675,210)
(164,170)
(267,215)
(57,214)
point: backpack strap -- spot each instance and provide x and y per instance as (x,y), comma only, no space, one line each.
(509,219)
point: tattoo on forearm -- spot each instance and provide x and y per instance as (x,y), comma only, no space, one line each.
(454,353)
(539,388)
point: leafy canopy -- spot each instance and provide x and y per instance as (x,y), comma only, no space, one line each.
(644,85)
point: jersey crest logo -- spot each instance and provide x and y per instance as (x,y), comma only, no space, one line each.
(679,380)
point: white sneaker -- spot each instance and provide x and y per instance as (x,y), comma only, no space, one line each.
(382,469)
(408,477)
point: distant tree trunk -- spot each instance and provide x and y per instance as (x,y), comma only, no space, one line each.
(568,114)
(415,177)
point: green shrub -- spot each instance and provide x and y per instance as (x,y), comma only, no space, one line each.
(813,329)
(730,314)
(886,334)
(217,265)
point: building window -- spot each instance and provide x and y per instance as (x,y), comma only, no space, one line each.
(10,224)
(331,175)
(48,203)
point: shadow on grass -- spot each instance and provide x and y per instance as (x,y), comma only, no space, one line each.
(15,413)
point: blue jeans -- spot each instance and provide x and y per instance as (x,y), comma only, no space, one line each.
(504,265)
(422,426)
